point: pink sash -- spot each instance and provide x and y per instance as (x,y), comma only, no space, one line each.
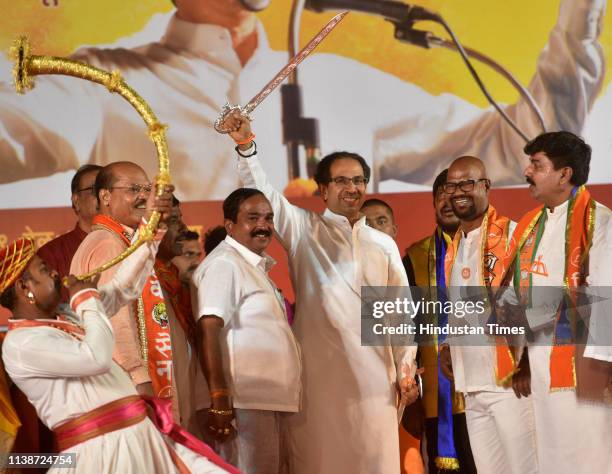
(129,411)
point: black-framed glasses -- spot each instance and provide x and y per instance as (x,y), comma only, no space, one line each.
(345,181)
(89,188)
(135,189)
(465,186)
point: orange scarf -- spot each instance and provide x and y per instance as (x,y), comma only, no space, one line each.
(152,320)
(578,239)
(179,297)
(494,248)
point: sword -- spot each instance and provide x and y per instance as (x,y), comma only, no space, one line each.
(280,76)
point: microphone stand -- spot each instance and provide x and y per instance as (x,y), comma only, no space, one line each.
(297,129)
(405,32)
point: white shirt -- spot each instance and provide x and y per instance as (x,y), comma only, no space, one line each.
(189,74)
(473,365)
(349,389)
(260,354)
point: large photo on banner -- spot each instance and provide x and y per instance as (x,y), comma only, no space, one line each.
(409,110)
(371,87)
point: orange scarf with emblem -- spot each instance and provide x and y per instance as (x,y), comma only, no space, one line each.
(494,249)
(578,239)
(179,297)
(152,321)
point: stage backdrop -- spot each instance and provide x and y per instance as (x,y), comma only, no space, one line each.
(408,110)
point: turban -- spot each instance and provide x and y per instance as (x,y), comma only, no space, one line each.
(14,259)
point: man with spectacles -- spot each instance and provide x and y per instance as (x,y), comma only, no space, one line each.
(143,347)
(424,263)
(498,410)
(348,421)
(58,252)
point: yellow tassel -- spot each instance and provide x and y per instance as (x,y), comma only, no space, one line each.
(449,464)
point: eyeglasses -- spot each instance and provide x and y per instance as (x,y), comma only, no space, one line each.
(345,181)
(136,189)
(90,189)
(465,186)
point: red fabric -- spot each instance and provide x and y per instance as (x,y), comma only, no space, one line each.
(58,254)
(161,416)
(113,416)
(179,296)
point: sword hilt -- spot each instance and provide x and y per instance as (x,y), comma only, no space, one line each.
(225,111)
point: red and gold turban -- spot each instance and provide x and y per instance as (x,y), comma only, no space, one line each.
(14,259)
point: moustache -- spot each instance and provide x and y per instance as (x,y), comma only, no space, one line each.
(261,233)
(530,181)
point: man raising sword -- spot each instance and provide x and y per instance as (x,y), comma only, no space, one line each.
(348,421)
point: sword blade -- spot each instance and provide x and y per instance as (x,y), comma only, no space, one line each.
(293,63)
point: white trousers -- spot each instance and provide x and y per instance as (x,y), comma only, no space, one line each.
(502,432)
(573,436)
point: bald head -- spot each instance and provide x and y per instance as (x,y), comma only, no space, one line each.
(468,188)
(468,165)
(122,189)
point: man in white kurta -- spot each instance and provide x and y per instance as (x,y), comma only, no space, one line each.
(348,421)
(500,424)
(65,375)
(194,68)
(573,434)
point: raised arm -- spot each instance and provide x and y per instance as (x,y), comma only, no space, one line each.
(51,354)
(51,129)
(567,79)
(289,221)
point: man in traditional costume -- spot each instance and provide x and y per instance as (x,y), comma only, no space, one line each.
(248,352)
(565,243)
(58,252)
(214,51)
(499,418)
(424,263)
(65,368)
(348,421)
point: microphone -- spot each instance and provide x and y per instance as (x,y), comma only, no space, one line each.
(389,9)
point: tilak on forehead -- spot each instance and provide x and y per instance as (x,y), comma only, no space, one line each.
(14,258)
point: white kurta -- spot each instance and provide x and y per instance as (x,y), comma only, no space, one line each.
(193,70)
(573,435)
(348,421)
(64,378)
(500,425)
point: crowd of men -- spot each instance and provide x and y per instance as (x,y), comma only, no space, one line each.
(170,363)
